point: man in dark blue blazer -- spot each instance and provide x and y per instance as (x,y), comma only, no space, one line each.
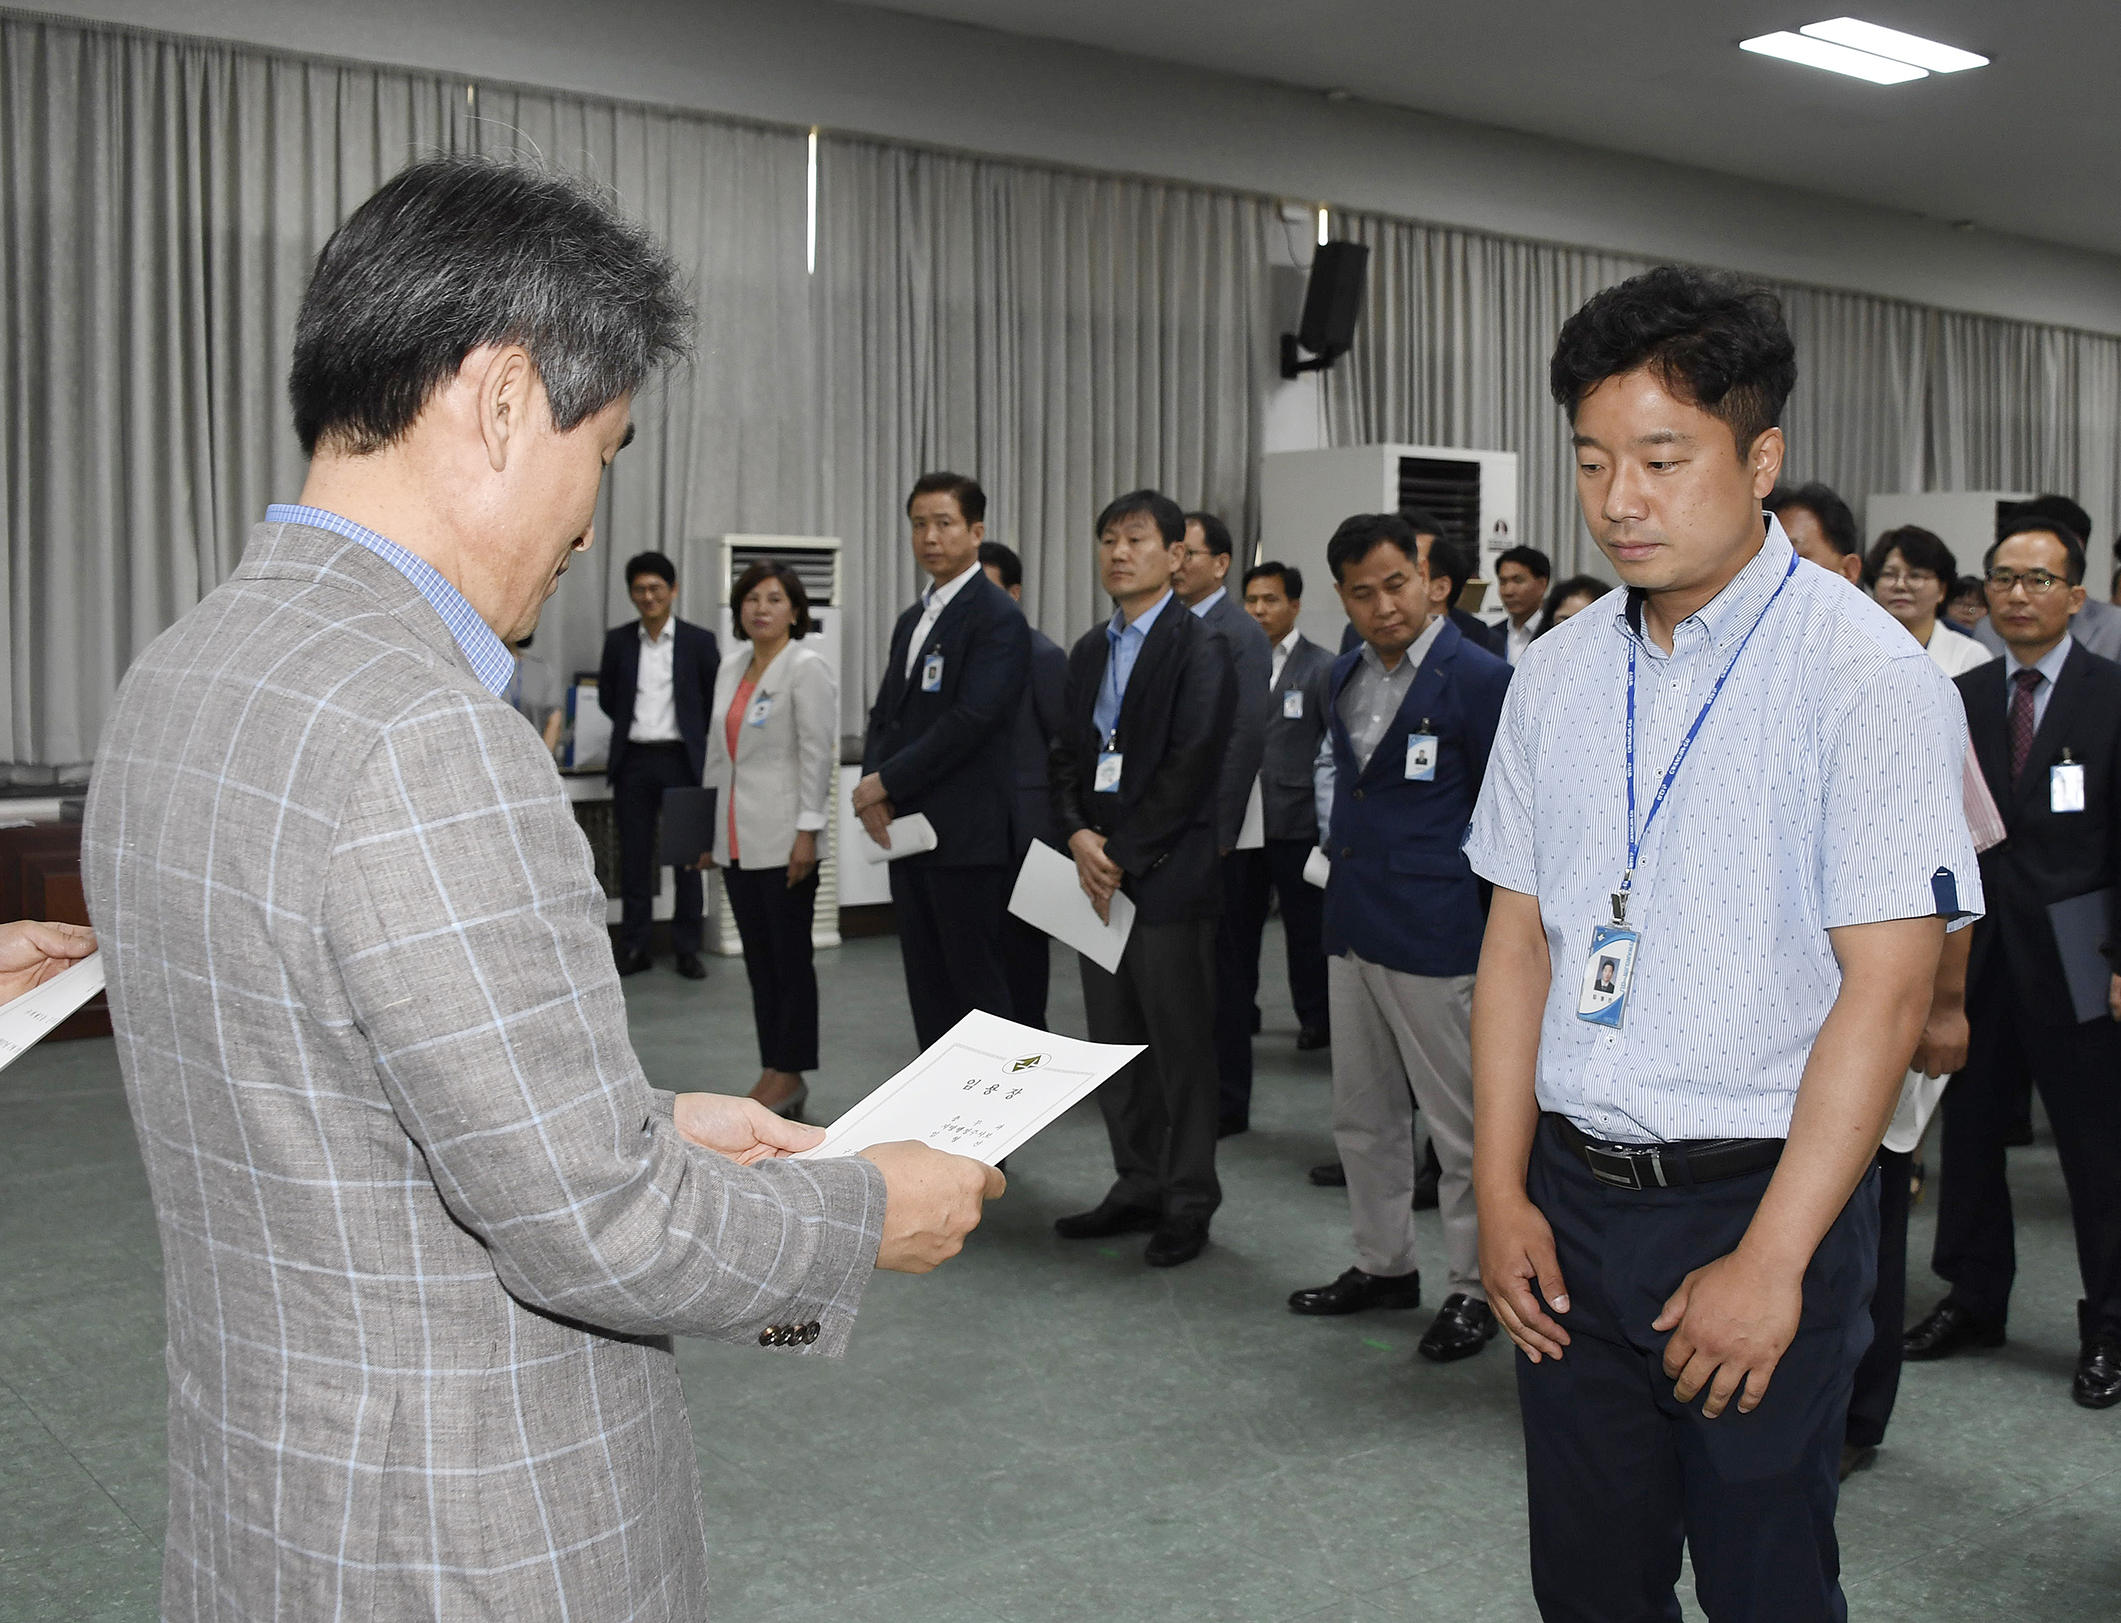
(1413,716)
(1027,960)
(1146,722)
(656,683)
(939,743)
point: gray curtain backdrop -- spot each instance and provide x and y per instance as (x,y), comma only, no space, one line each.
(1064,336)
(1453,346)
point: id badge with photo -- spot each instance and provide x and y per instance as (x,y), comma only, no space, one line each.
(1607,973)
(1107,780)
(1292,705)
(932,674)
(1421,757)
(761,708)
(2065,787)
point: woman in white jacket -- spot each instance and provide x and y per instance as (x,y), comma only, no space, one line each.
(772,749)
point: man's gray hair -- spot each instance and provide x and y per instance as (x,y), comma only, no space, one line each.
(453,253)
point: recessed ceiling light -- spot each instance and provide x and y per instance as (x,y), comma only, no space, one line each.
(1819,53)
(1890,42)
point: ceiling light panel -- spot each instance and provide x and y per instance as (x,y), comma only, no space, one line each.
(1819,53)
(1890,42)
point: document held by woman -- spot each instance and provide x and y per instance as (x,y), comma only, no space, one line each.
(984,1090)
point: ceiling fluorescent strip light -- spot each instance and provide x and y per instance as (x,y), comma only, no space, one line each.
(1819,53)
(1890,42)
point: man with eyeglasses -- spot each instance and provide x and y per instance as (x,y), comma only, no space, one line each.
(2045,721)
(2097,626)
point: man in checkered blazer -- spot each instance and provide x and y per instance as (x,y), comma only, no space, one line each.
(426,1229)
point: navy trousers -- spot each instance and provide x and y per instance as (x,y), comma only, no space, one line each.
(1878,1376)
(1621,1476)
(1247,877)
(950,940)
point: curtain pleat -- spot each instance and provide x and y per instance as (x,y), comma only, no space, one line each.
(1064,336)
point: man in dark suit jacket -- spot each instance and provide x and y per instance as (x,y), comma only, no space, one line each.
(656,683)
(939,744)
(1413,717)
(1296,722)
(1201,582)
(1456,564)
(1026,959)
(2045,721)
(1149,707)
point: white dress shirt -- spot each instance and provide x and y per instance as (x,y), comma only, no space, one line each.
(655,709)
(1517,638)
(1823,790)
(1282,651)
(1954,654)
(933,601)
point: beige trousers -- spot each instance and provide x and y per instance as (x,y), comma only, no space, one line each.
(1402,1042)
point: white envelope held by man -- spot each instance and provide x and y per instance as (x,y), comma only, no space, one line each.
(911,835)
(1049,897)
(983,1090)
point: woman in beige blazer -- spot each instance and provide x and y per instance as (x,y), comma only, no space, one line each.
(772,751)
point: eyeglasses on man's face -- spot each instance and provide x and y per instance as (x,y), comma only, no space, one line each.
(2038,582)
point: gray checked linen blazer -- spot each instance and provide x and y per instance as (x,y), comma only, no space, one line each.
(425,1227)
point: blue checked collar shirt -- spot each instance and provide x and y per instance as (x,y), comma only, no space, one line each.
(491,659)
(1124,646)
(1823,790)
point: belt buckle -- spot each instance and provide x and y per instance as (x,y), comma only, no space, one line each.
(1618,1170)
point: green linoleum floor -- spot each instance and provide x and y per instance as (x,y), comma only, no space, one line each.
(1045,1430)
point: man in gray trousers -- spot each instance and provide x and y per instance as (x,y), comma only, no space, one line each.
(427,1231)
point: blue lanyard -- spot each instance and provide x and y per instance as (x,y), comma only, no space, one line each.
(1635,836)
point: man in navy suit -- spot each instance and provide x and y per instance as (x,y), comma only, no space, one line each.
(1026,957)
(1413,715)
(939,743)
(656,684)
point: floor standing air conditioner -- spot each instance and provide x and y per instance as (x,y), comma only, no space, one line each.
(816,562)
(1305,494)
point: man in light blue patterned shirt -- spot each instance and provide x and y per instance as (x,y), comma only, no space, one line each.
(1723,821)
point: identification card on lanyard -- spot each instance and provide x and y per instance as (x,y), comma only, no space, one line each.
(761,708)
(1109,765)
(2065,785)
(932,673)
(1421,755)
(1292,705)
(1609,969)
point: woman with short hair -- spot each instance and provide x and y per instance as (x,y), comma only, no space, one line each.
(1911,573)
(772,750)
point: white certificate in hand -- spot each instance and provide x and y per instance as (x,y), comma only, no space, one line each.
(910,836)
(27,1019)
(1049,897)
(982,1091)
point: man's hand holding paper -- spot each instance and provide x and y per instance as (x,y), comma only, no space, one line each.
(1099,874)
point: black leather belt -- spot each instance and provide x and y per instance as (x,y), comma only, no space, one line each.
(1667,1166)
(655,743)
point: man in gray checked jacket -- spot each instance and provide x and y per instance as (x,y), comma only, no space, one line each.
(426,1229)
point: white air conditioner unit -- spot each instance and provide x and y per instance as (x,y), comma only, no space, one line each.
(816,561)
(1305,494)
(1964,520)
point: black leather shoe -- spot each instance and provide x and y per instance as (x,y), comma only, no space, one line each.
(690,967)
(1463,1325)
(1180,1240)
(1856,1457)
(1950,1328)
(1231,1126)
(632,963)
(1106,1219)
(1313,1037)
(2098,1382)
(1355,1290)
(1330,1176)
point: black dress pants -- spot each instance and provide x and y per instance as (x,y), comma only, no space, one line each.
(1878,1376)
(1027,962)
(774,920)
(2078,1072)
(1160,1110)
(1247,877)
(637,802)
(1620,1474)
(950,940)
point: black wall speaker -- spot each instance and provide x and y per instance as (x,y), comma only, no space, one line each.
(1332,301)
